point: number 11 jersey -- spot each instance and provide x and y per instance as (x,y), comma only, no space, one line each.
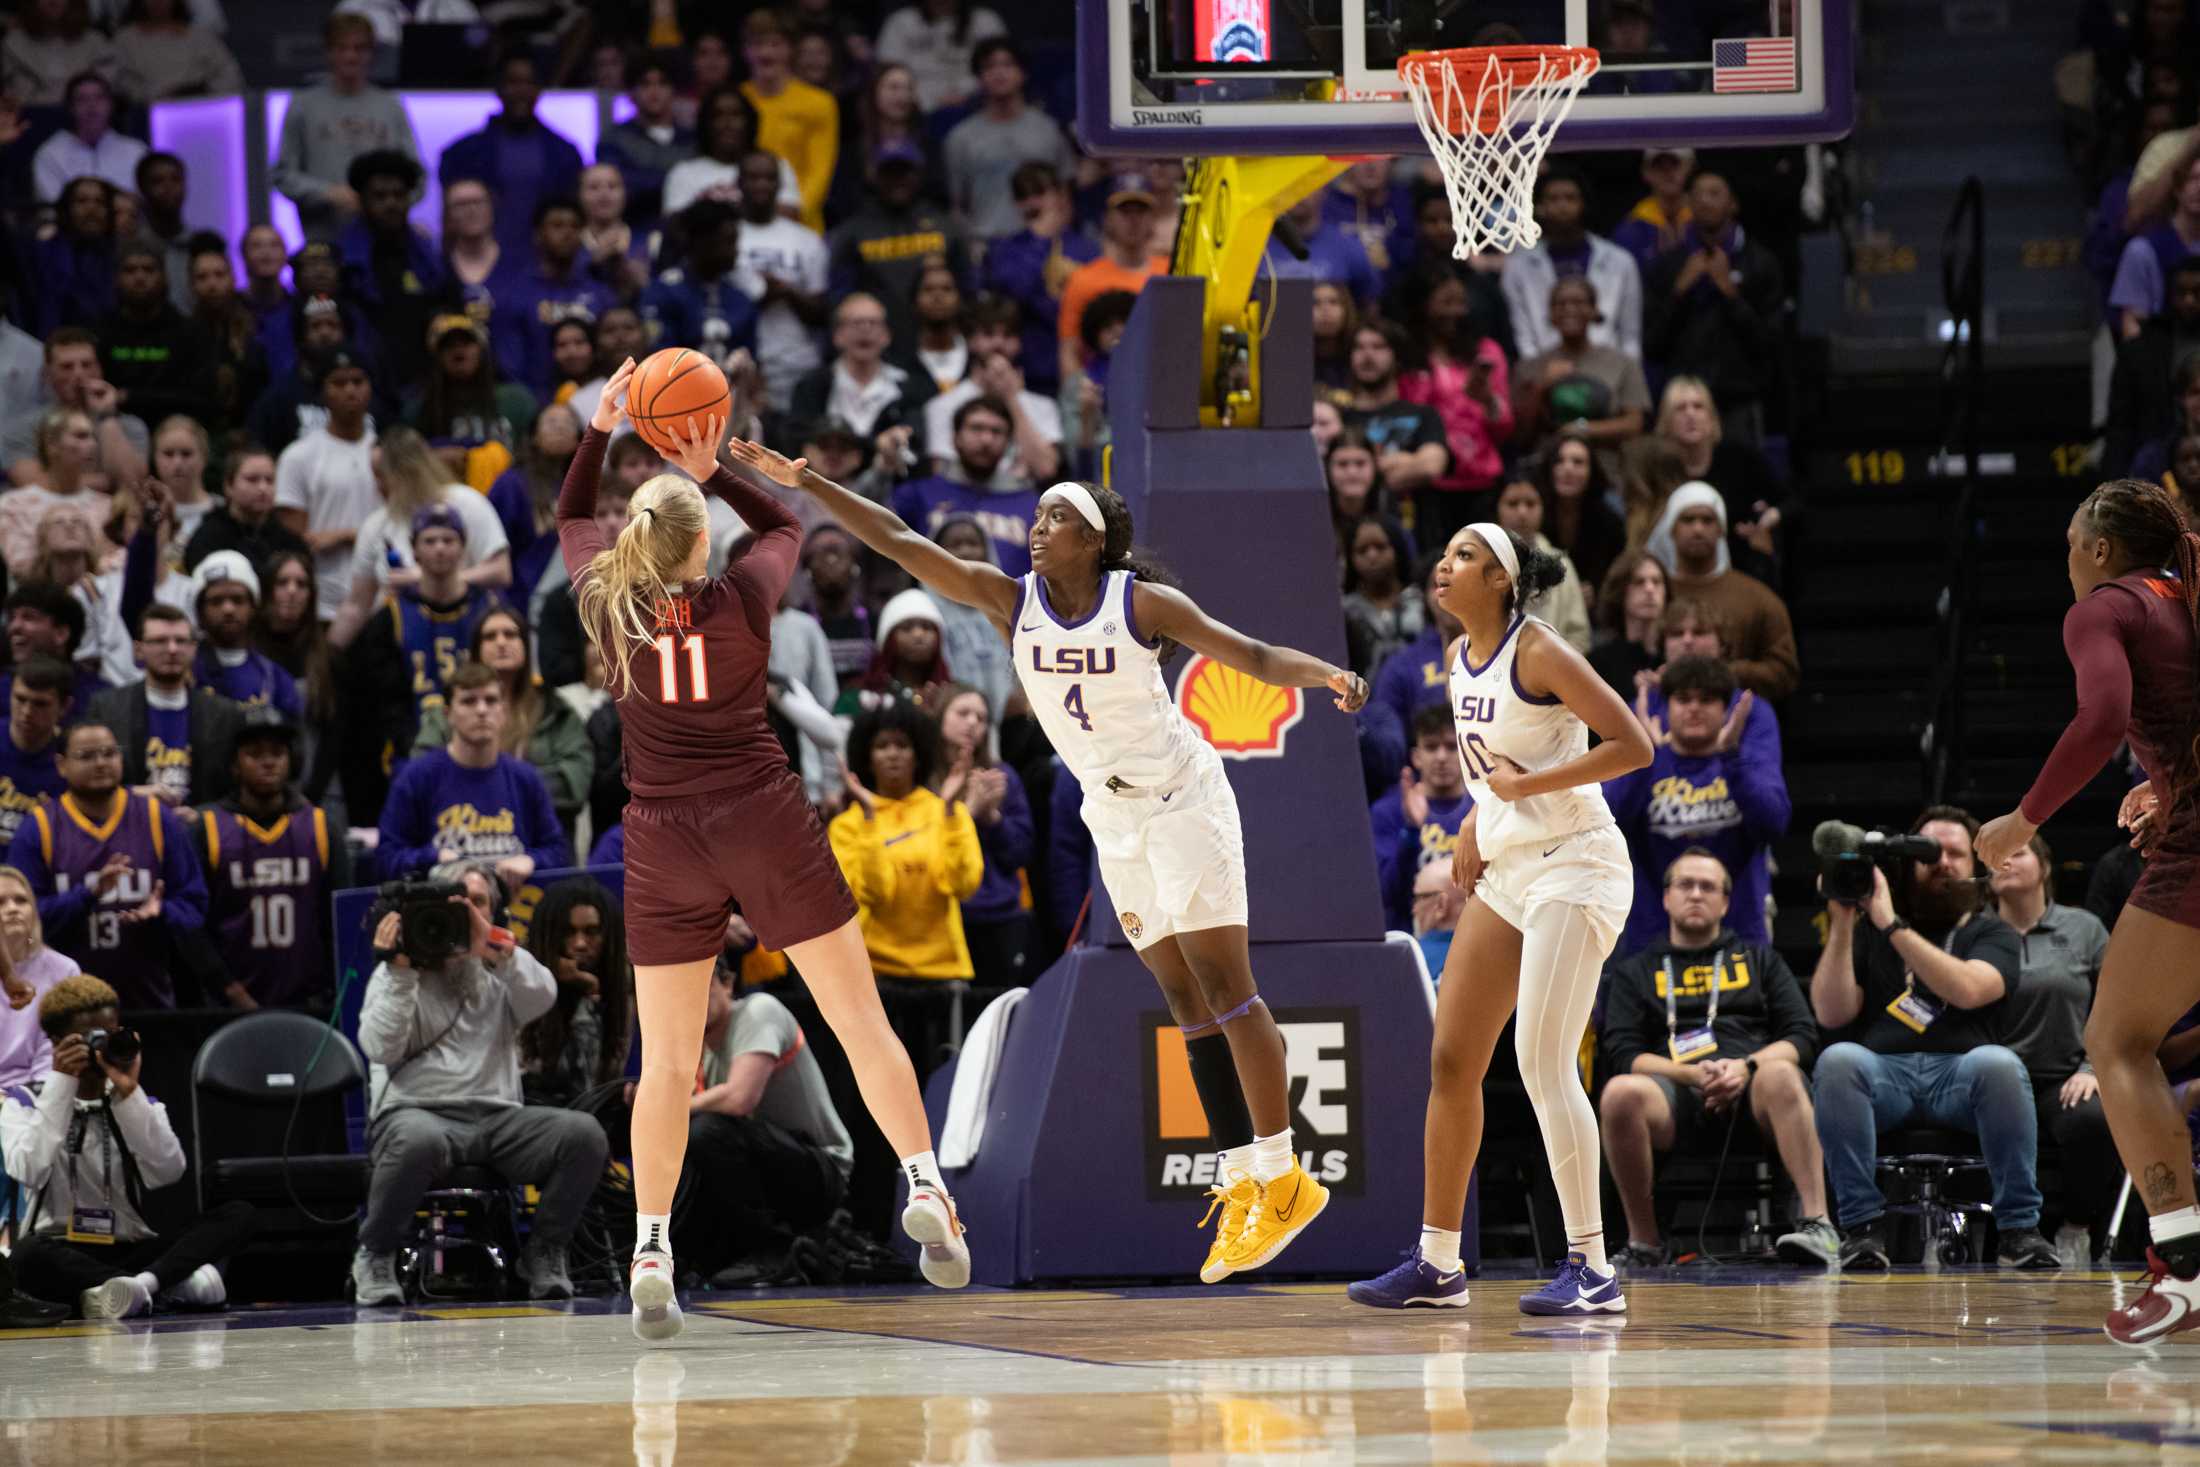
(1095,686)
(1494,716)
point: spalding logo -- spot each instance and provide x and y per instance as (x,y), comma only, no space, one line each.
(1243,717)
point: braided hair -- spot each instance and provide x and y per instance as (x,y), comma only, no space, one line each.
(2147,521)
(1118,553)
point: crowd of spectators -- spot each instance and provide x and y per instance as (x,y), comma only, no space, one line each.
(2131,93)
(285,612)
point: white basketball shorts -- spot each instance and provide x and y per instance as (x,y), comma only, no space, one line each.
(1587,869)
(1174,861)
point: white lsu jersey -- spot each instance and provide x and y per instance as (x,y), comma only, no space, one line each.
(1494,716)
(1096,688)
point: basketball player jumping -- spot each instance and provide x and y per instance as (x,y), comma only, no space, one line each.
(2131,640)
(717,816)
(1551,885)
(1089,629)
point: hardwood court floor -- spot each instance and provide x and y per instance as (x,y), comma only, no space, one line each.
(1712,1367)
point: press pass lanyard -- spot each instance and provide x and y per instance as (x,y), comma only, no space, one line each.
(89,1223)
(1912,1010)
(1703,1040)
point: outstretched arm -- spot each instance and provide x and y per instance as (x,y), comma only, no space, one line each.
(2093,635)
(1163,611)
(972,583)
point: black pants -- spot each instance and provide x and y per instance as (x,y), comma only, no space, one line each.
(2092,1172)
(49,1266)
(919,1009)
(1000,953)
(747,1182)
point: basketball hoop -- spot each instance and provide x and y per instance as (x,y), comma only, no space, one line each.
(1489,114)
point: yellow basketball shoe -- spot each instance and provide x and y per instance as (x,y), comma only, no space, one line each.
(1279,1213)
(1236,1201)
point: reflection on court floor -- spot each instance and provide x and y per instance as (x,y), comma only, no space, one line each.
(1713,1367)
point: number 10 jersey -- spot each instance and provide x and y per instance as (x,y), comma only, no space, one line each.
(1494,716)
(267,890)
(1095,686)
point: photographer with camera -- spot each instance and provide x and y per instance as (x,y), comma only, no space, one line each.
(87,1151)
(1923,1011)
(450,993)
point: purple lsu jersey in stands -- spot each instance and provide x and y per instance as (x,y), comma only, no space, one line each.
(58,848)
(267,895)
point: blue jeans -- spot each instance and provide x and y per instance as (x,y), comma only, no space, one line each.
(1986,1092)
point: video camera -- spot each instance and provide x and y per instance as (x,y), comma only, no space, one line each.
(434,923)
(1846,854)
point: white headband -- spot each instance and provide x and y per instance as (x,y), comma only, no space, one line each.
(1501,546)
(1080,499)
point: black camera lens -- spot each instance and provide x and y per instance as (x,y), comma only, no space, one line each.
(118,1047)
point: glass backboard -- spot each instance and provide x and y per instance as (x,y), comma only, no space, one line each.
(1176,78)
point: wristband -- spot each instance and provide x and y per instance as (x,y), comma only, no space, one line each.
(1897,925)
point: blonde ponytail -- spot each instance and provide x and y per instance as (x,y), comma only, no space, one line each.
(618,592)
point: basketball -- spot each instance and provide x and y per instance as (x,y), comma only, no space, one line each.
(670,387)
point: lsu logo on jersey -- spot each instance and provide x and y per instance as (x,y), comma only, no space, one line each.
(1694,981)
(1243,717)
(1321,1057)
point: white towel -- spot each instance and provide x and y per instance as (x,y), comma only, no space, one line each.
(975,1067)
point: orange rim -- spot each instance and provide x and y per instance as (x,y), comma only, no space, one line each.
(1519,66)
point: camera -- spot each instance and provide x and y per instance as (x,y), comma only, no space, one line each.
(118,1047)
(1846,854)
(434,922)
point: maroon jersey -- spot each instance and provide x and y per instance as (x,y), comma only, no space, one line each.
(2131,644)
(692,706)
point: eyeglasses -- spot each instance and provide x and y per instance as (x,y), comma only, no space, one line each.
(1687,885)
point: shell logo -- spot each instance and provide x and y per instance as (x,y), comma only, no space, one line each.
(1243,717)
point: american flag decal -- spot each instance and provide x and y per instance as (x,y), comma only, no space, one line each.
(1766,64)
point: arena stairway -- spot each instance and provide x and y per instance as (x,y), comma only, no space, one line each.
(1950,90)
(1869,558)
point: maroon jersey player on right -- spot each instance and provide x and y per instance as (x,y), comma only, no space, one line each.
(2135,566)
(716,818)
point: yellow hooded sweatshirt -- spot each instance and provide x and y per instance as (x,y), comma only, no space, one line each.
(911,865)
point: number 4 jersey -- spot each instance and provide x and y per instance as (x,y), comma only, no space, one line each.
(1496,717)
(1096,687)
(268,891)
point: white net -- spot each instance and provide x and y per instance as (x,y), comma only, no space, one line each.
(1489,170)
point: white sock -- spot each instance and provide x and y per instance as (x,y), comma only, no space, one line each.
(1272,1156)
(922,1169)
(652,1230)
(147,1282)
(2176,1223)
(1440,1248)
(1591,1247)
(1233,1163)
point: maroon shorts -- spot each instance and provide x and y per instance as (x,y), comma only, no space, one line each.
(689,861)
(2169,886)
